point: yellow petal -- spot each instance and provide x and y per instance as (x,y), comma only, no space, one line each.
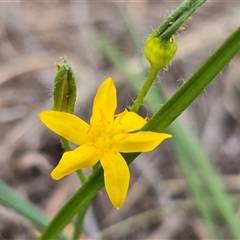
(66,125)
(137,142)
(128,121)
(105,103)
(116,177)
(84,156)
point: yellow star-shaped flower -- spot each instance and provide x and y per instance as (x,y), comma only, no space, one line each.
(103,139)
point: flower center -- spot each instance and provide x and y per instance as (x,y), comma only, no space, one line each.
(102,132)
(100,136)
(103,141)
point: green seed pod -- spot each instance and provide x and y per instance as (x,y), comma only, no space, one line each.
(64,90)
(160,53)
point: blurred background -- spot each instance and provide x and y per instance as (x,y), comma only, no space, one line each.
(33,38)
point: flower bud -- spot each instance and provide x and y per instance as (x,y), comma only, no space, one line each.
(159,53)
(64,90)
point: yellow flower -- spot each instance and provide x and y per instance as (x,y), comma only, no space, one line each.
(103,139)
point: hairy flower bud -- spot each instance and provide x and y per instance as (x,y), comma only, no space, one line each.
(160,53)
(64,92)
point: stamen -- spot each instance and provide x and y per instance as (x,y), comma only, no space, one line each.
(119,118)
(122,138)
(93,145)
(91,130)
(103,116)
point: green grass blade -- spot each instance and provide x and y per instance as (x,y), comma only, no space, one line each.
(13,200)
(193,181)
(194,161)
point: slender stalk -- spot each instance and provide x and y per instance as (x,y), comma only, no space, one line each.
(66,146)
(81,215)
(79,223)
(175,20)
(81,176)
(146,86)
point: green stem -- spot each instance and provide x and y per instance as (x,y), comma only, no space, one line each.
(79,223)
(81,214)
(83,179)
(146,86)
(65,144)
(175,20)
(81,176)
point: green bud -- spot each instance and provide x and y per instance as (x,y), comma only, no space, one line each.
(64,90)
(160,53)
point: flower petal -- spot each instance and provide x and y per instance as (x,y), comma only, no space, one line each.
(105,103)
(66,125)
(116,177)
(84,156)
(128,121)
(137,142)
